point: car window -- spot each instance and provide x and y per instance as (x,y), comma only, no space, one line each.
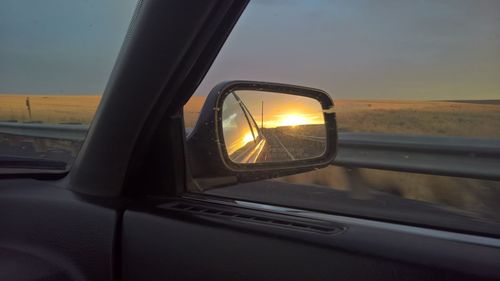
(238,133)
(56,57)
(415,73)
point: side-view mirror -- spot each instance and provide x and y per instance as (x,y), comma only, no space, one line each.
(257,130)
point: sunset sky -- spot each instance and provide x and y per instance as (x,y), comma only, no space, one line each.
(282,109)
(353,49)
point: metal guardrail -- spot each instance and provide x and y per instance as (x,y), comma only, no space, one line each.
(47,131)
(448,156)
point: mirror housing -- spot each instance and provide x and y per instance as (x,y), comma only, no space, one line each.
(208,159)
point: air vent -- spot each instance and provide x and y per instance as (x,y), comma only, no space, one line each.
(257,216)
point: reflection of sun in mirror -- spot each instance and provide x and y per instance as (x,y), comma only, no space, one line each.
(294,120)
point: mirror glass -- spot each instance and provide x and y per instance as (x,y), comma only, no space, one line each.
(260,127)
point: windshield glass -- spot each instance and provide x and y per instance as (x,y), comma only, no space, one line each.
(416,90)
(56,57)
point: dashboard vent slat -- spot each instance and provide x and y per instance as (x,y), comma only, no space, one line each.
(257,216)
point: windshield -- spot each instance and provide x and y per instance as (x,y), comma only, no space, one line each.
(416,90)
(56,57)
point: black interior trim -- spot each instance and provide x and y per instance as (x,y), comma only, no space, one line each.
(207,246)
(264,217)
(147,76)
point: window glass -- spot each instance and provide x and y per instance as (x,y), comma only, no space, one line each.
(237,130)
(56,57)
(428,70)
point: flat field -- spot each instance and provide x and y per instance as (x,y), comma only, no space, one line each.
(437,118)
(478,198)
(48,109)
(440,118)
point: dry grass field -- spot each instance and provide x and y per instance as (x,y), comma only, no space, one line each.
(477,198)
(437,118)
(440,118)
(49,109)
(406,117)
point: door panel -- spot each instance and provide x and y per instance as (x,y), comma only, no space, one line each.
(161,242)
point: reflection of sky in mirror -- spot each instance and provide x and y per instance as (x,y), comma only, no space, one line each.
(366,49)
(281,109)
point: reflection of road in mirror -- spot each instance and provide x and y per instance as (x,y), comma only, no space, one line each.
(293,143)
(262,127)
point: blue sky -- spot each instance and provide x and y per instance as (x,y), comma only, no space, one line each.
(363,49)
(60,46)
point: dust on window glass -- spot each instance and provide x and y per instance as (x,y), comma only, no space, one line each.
(413,68)
(56,57)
